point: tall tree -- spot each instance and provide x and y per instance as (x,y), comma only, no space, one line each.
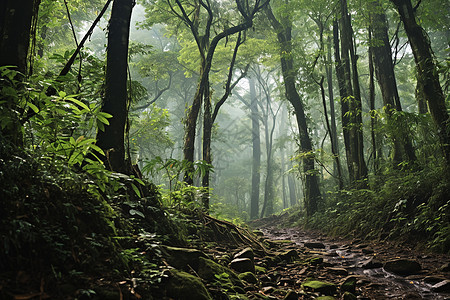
(347,74)
(283,30)
(256,151)
(17,18)
(427,77)
(190,14)
(112,139)
(384,70)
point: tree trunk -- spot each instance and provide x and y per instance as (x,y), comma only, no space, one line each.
(312,191)
(256,146)
(334,135)
(384,70)
(347,74)
(16,22)
(428,77)
(115,103)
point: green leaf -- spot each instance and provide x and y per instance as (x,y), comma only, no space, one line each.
(134,212)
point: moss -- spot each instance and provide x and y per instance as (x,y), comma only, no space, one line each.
(323,287)
(183,286)
(208,269)
(260,270)
(248,277)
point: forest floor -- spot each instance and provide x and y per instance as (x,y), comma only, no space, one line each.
(369,270)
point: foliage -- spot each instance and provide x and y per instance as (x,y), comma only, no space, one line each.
(404,205)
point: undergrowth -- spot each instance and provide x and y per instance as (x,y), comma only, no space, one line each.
(405,206)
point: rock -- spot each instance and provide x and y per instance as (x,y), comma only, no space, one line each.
(349,296)
(314,245)
(246,253)
(338,271)
(248,277)
(349,284)
(289,255)
(184,286)
(181,258)
(208,269)
(323,287)
(441,287)
(371,263)
(402,266)
(242,265)
(291,295)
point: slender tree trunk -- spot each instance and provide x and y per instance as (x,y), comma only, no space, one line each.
(346,71)
(16,22)
(112,140)
(334,134)
(384,70)
(373,117)
(428,77)
(256,152)
(312,191)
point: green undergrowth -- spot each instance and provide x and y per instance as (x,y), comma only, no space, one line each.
(62,226)
(404,206)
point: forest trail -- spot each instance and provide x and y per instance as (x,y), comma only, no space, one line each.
(340,261)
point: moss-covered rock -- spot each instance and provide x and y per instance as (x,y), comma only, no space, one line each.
(323,287)
(182,258)
(183,286)
(210,271)
(248,277)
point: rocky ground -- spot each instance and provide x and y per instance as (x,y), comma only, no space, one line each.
(296,264)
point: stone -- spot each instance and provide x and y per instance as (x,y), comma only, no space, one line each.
(242,265)
(268,289)
(184,286)
(208,269)
(349,296)
(338,271)
(313,245)
(349,284)
(182,258)
(441,287)
(371,263)
(246,253)
(402,267)
(289,255)
(323,287)
(248,277)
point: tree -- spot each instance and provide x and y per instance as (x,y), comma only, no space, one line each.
(256,152)
(17,23)
(112,139)
(347,75)
(384,70)
(428,77)
(283,31)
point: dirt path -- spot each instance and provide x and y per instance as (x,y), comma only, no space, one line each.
(340,259)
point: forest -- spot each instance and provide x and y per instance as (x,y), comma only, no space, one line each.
(224,149)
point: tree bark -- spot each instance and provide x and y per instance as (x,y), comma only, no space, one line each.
(428,77)
(312,191)
(384,70)
(16,22)
(256,152)
(112,140)
(346,71)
